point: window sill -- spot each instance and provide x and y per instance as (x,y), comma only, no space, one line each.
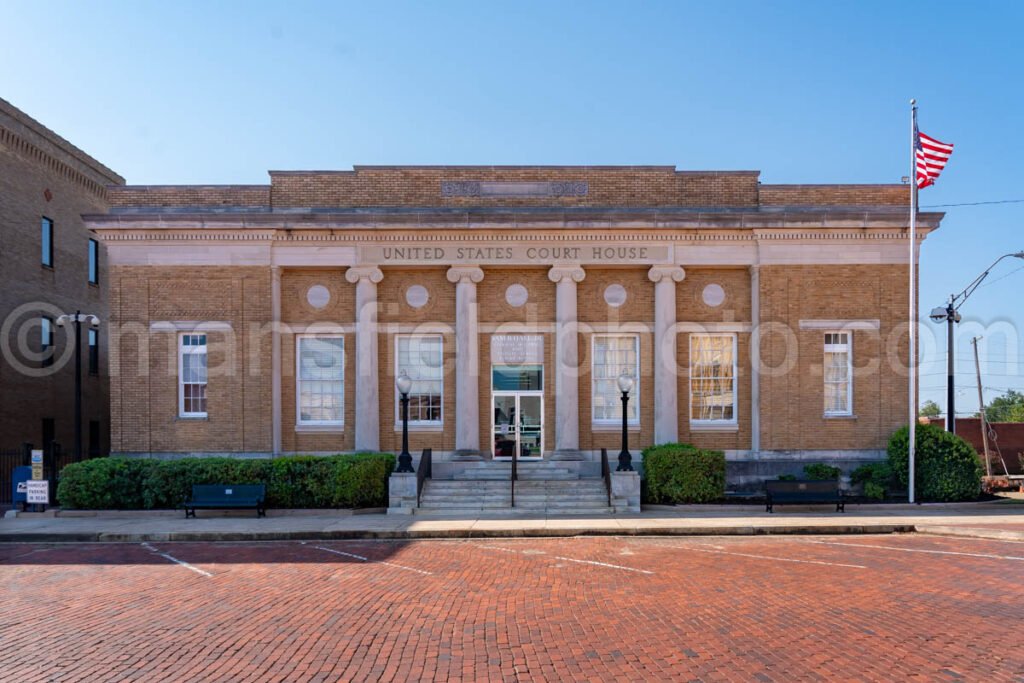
(838,417)
(420,428)
(94,285)
(724,427)
(331,429)
(46,267)
(605,427)
(193,418)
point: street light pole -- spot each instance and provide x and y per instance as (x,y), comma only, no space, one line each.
(77,319)
(950,314)
(625,459)
(404,384)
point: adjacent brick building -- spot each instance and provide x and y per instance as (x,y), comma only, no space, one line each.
(51,265)
(765,320)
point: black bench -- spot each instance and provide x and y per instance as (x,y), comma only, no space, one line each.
(226,497)
(803,493)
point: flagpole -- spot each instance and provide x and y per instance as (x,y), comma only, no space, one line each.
(912,400)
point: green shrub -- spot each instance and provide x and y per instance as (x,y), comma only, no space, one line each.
(874,491)
(681,473)
(337,481)
(787,477)
(947,467)
(821,471)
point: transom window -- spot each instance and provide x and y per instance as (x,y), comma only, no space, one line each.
(838,374)
(422,359)
(192,375)
(713,379)
(612,356)
(320,380)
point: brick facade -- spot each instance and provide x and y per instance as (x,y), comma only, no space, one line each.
(41,174)
(186,256)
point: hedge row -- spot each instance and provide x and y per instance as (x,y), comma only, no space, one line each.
(682,473)
(946,468)
(303,481)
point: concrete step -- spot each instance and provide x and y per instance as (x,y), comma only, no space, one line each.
(541,496)
(512,512)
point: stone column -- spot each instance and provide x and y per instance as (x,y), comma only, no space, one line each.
(365,278)
(567,381)
(666,380)
(755,359)
(275,358)
(467,361)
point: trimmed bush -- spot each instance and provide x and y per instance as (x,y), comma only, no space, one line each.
(876,477)
(821,471)
(947,467)
(304,481)
(681,473)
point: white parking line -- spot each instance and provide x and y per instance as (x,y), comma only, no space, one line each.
(565,559)
(766,557)
(184,564)
(922,550)
(366,559)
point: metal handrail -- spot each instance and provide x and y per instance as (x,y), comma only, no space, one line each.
(515,472)
(606,474)
(424,471)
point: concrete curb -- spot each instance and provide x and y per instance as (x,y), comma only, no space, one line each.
(422,534)
(969,532)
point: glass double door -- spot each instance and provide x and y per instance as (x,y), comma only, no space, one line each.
(518,424)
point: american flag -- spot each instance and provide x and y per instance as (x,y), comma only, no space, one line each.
(932,156)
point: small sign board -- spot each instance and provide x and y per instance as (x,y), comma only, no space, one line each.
(37,492)
(37,464)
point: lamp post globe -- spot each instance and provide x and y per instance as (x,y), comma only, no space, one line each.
(404,384)
(625,382)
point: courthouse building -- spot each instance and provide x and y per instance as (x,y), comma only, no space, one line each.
(768,321)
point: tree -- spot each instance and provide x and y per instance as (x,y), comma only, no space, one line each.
(930,409)
(1006,408)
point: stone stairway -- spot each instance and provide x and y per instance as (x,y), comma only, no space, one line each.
(543,488)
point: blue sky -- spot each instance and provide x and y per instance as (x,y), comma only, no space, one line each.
(196,92)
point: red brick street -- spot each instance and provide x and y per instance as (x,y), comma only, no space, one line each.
(752,609)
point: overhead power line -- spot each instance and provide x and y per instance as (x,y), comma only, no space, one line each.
(998,201)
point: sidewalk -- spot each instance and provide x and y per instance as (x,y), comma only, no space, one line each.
(1003,520)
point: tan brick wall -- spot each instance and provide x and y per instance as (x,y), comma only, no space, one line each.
(690,306)
(145,394)
(539,307)
(205,196)
(792,404)
(835,195)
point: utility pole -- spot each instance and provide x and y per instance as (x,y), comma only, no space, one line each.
(981,409)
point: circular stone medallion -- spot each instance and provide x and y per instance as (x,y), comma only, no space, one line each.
(417,296)
(516,295)
(713,295)
(318,296)
(615,295)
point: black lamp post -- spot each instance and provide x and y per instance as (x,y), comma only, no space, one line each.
(77,319)
(950,314)
(625,459)
(404,384)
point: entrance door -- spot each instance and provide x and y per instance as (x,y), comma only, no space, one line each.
(518,424)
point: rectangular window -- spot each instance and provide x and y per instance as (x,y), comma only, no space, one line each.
(320,380)
(713,379)
(94,352)
(612,356)
(422,358)
(94,262)
(192,375)
(838,374)
(46,341)
(47,241)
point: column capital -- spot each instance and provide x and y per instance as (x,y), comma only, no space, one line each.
(472,274)
(658,273)
(357,273)
(566,272)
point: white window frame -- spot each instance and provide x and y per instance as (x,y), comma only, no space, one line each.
(298,382)
(191,350)
(634,393)
(838,348)
(398,370)
(735,383)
